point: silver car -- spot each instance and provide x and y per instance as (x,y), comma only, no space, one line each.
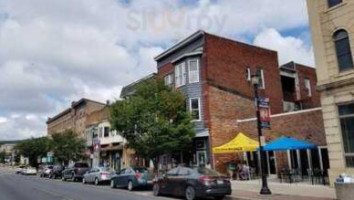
(98,175)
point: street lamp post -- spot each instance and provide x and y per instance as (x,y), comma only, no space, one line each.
(255,82)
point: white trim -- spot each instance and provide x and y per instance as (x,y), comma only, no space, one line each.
(196,53)
(189,71)
(281,114)
(199,109)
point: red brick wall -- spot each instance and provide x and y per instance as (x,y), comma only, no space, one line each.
(304,125)
(305,72)
(164,70)
(228,60)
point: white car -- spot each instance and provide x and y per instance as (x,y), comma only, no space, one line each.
(20,169)
(29,171)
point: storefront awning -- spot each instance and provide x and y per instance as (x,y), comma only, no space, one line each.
(240,143)
(288,143)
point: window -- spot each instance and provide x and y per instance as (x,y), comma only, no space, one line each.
(168,79)
(261,78)
(193,71)
(194,105)
(344,55)
(106,131)
(308,87)
(346,115)
(172,172)
(180,74)
(184,171)
(332,3)
(248,74)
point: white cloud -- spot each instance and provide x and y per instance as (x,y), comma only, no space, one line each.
(288,48)
(54,52)
(3,120)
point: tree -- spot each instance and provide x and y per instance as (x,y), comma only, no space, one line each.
(153,120)
(68,146)
(2,156)
(33,149)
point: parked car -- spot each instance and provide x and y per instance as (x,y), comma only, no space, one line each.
(29,171)
(192,183)
(98,175)
(132,177)
(20,169)
(75,172)
(56,171)
(46,171)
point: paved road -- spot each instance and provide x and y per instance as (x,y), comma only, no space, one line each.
(18,187)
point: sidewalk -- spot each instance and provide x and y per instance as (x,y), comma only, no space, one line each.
(281,191)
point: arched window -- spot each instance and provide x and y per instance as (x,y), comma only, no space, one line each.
(344,55)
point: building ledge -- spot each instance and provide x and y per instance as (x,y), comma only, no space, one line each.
(280,115)
(335,84)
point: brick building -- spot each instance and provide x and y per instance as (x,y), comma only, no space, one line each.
(111,151)
(73,118)
(332,27)
(214,74)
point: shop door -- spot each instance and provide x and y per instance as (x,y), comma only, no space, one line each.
(271,162)
(201,158)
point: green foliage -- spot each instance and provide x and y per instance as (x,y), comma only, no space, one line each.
(68,146)
(2,156)
(33,148)
(154,119)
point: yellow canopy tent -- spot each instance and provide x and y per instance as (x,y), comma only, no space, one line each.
(240,143)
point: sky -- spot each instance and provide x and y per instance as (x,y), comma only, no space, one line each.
(58,51)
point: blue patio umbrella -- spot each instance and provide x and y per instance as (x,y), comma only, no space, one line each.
(288,143)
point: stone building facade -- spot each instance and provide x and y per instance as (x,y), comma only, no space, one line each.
(73,118)
(332,26)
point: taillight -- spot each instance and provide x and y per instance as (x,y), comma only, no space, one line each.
(207,180)
(137,175)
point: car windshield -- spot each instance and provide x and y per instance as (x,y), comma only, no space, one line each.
(208,172)
(140,170)
(81,165)
(105,169)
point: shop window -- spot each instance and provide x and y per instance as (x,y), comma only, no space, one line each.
(346,115)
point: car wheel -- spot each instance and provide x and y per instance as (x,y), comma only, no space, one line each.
(63,178)
(156,189)
(96,181)
(112,184)
(130,186)
(84,180)
(190,193)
